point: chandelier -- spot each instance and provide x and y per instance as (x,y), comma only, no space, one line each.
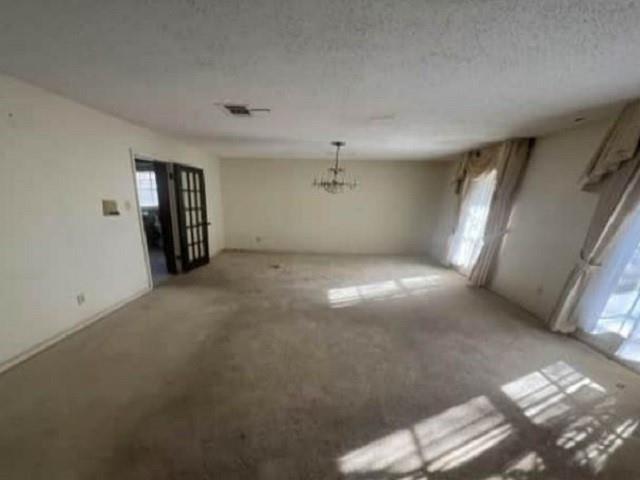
(336,182)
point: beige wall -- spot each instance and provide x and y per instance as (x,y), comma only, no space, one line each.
(271,205)
(446,223)
(549,220)
(58,160)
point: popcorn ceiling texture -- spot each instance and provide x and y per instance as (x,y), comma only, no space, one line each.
(396,79)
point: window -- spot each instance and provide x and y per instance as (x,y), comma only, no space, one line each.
(147,188)
(474,211)
(609,314)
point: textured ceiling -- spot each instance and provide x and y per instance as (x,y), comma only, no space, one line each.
(394,78)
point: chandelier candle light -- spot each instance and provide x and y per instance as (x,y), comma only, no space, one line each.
(336,182)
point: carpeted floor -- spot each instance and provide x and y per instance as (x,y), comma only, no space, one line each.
(265,366)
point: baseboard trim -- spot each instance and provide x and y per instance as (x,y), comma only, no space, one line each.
(51,341)
(317,252)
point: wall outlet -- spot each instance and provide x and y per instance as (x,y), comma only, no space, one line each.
(80,298)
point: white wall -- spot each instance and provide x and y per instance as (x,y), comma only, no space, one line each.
(271,205)
(549,220)
(58,160)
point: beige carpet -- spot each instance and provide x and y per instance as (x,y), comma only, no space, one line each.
(264,366)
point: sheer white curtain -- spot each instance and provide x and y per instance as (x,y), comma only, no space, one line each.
(474,211)
(609,312)
(614,173)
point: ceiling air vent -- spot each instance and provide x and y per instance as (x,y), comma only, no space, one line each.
(242,110)
(238,110)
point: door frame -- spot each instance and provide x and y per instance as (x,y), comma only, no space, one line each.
(135,155)
(143,237)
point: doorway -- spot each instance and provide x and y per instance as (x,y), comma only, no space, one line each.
(152,179)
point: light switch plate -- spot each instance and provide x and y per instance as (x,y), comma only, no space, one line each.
(110,208)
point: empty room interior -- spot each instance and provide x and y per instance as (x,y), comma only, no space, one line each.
(320,239)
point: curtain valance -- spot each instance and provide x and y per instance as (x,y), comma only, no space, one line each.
(476,163)
(619,146)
